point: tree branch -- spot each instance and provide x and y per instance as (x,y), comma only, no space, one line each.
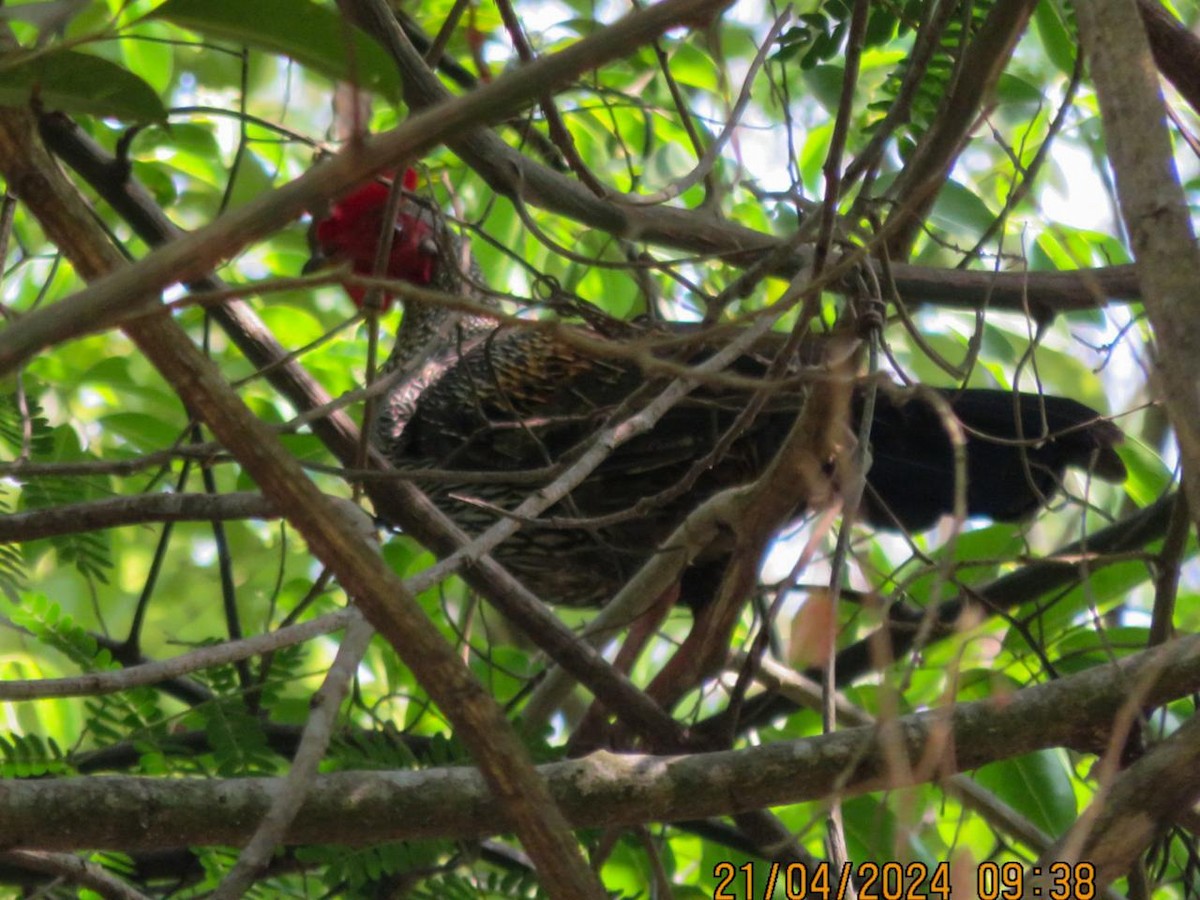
(1176,50)
(1156,213)
(1126,819)
(602,789)
(116,512)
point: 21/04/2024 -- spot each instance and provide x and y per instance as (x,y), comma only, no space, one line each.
(901,881)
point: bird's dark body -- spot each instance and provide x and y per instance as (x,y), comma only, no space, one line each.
(468,396)
(516,400)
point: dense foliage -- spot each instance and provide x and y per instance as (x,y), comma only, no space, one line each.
(133,536)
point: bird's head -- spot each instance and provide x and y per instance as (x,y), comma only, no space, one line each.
(354,227)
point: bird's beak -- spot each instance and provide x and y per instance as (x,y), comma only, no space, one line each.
(316,263)
(428,247)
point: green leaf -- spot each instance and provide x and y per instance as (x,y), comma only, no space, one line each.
(695,68)
(312,35)
(251,180)
(1056,37)
(155,180)
(146,432)
(1012,89)
(1056,616)
(999,541)
(825,81)
(82,84)
(1038,785)
(1149,475)
(812,155)
(881,26)
(958,207)
(1087,649)
(149,54)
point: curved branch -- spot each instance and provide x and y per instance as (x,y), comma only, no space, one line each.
(1124,821)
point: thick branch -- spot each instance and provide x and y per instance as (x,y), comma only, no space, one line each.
(1155,210)
(1176,50)
(602,789)
(1124,821)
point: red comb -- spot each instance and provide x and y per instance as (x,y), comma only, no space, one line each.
(351,231)
(372,194)
(364,198)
